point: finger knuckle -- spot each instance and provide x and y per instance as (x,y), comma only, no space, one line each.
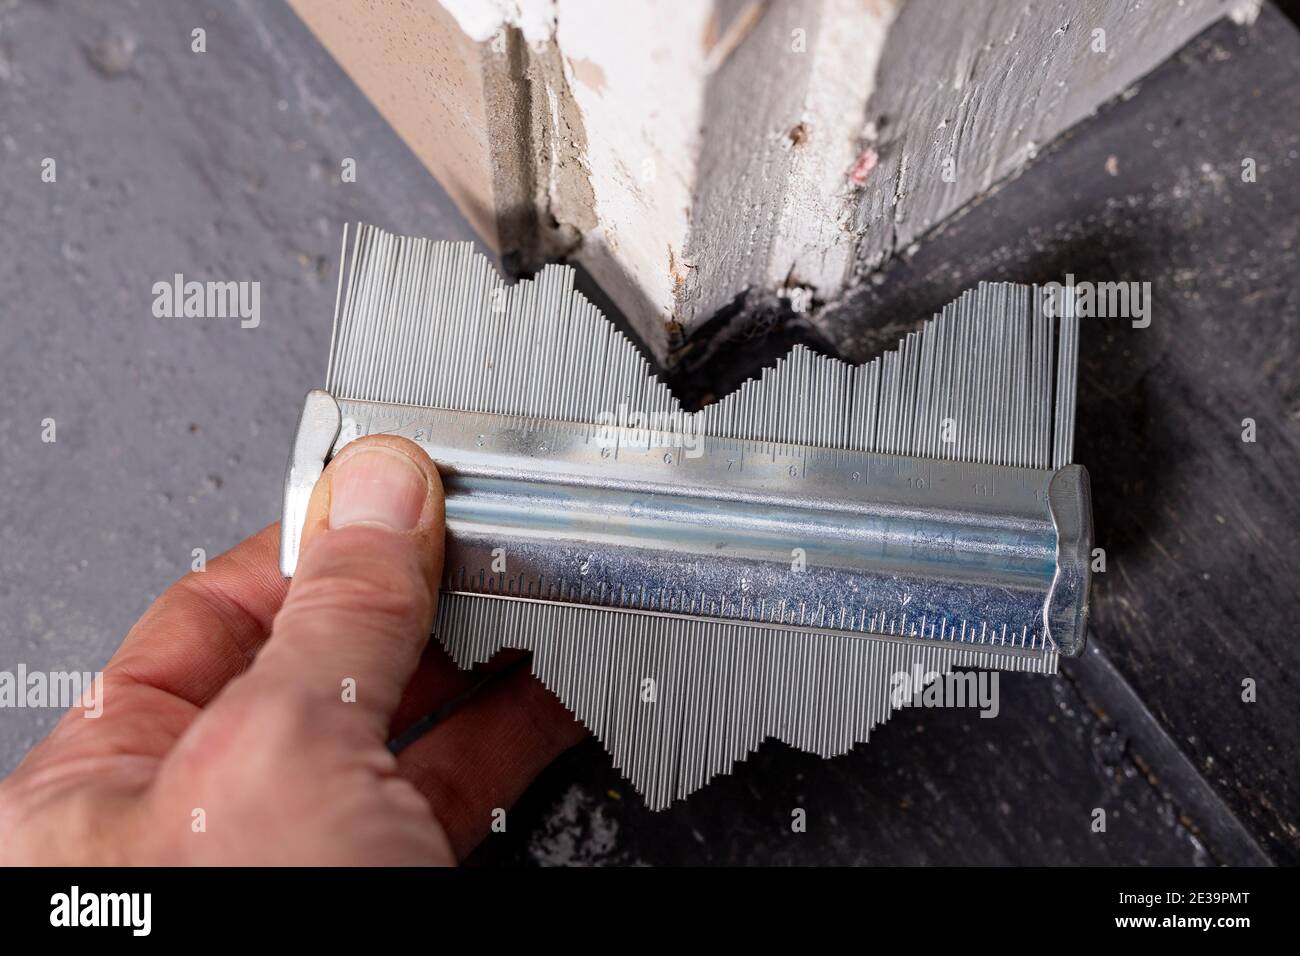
(386,596)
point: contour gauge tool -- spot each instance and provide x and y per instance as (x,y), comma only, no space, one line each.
(691,584)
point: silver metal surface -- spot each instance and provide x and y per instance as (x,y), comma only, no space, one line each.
(318,427)
(748,530)
(767,566)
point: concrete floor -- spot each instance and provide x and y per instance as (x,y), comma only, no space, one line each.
(171,433)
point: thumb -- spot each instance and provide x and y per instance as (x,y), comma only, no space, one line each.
(360,607)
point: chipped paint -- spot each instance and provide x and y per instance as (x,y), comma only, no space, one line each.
(589,74)
(862,167)
(757,140)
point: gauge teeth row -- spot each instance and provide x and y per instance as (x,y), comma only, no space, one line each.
(990,379)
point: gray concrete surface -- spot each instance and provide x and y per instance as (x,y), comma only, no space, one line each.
(171,433)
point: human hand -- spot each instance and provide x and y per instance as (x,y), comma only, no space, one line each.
(271,757)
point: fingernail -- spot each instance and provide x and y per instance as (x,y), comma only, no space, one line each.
(378,486)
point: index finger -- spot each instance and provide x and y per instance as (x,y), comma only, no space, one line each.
(205,629)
